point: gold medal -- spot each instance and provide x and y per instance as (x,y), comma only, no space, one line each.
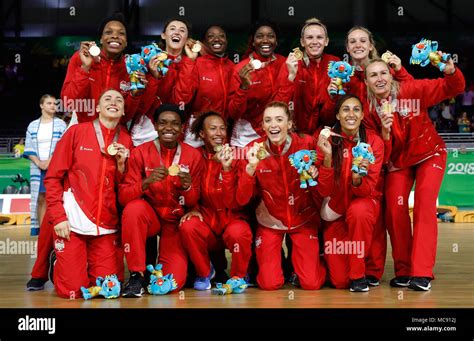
(262,152)
(298,53)
(173,170)
(112,150)
(218,148)
(94,50)
(256,64)
(386,56)
(196,47)
(387,107)
(326,132)
(162,56)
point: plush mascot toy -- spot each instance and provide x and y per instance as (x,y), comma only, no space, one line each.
(159,284)
(425,52)
(234,285)
(109,287)
(134,64)
(149,51)
(361,151)
(342,73)
(302,160)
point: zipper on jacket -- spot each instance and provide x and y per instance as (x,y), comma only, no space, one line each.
(223,88)
(101,186)
(285,184)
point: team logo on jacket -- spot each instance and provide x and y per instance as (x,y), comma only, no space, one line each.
(59,245)
(86,149)
(204,78)
(265,170)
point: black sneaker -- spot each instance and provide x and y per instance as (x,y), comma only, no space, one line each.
(35,284)
(400,282)
(372,281)
(420,283)
(220,277)
(359,285)
(52,263)
(135,286)
(294,280)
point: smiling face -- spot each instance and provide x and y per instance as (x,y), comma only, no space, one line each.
(111,105)
(314,40)
(276,125)
(265,41)
(378,79)
(214,131)
(359,46)
(169,127)
(216,40)
(114,38)
(175,35)
(350,116)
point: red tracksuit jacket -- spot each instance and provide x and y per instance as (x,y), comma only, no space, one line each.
(357,86)
(78,164)
(413,137)
(217,203)
(105,75)
(277,184)
(166,89)
(312,104)
(166,197)
(343,192)
(206,87)
(249,104)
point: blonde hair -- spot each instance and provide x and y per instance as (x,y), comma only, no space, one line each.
(281,105)
(372,54)
(314,21)
(394,88)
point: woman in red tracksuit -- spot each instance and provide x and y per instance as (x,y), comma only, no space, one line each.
(159,90)
(418,155)
(206,86)
(216,222)
(352,209)
(253,84)
(88,77)
(284,207)
(360,45)
(163,178)
(302,82)
(81,197)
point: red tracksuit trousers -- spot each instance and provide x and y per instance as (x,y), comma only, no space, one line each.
(414,253)
(347,241)
(44,248)
(375,260)
(305,257)
(81,260)
(139,222)
(198,239)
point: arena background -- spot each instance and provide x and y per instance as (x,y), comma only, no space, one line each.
(38,37)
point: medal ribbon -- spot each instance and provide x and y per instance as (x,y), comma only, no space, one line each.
(100,137)
(177,155)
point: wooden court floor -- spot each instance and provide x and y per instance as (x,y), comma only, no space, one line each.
(453,287)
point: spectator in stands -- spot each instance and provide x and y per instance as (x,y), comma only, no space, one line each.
(468,101)
(464,125)
(446,116)
(19,148)
(434,115)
